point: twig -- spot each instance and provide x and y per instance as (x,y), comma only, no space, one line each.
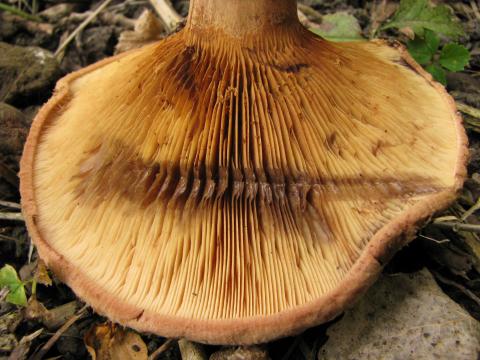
(161,349)
(10,205)
(470,211)
(475,9)
(11,216)
(434,240)
(312,14)
(3,293)
(32,27)
(457,226)
(9,238)
(25,4)
(16,11)
(460,287)
(109,18)
(31,248)
(80,27)
(125,4)
(170,18)
(23,346)
(45,348)
(469,110)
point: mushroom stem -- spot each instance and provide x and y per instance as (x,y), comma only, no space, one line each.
(240,17)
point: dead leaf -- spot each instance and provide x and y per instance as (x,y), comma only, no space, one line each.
(51,318)
(408,32)
(147,29)
(56,317)
(35,309)
(41,274)
(381,11)
(110,342)
(26,271)
(191,350)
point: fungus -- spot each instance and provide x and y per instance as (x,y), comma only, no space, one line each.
(240,180)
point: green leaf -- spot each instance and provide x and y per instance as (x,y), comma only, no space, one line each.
(432,40)
(16,291)
(420,50)
(419,15)
(438,73)
(454,57)
(339,27)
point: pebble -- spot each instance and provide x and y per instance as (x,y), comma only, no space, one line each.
(404,316)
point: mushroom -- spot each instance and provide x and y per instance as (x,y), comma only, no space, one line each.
(240,180)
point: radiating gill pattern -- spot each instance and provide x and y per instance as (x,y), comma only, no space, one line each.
(226,179)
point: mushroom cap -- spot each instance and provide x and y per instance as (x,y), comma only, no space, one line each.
(236,191)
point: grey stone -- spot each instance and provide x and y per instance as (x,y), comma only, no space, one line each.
(13,130)
(241,353)
(405,316)
(26,72)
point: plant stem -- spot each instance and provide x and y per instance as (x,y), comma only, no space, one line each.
(11,216)
(81,27)
(19,12)
(469,110)
(168,15)
(457,226)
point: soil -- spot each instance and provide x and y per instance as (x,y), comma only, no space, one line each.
(27,78)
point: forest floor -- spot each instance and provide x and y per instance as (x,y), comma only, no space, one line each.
(446,247)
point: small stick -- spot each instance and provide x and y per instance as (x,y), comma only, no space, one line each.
(82,26)
(310,12)
(23,346)
(5,237)
(456,226)
(460,287)
(475,9)
(41,353)
(469,110)
(434,240)
(29,25)
(11,216)
(10,205)
(161,349)
(167,13)
(471,210)
(18,12)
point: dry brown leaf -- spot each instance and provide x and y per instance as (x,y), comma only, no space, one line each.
(408,32)
(51,318)
(56,317)
(381,11)
(41,274)
(35,309)
(191,350)
(147,29)
(110,342)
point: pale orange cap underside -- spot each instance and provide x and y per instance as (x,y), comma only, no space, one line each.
(234,191)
